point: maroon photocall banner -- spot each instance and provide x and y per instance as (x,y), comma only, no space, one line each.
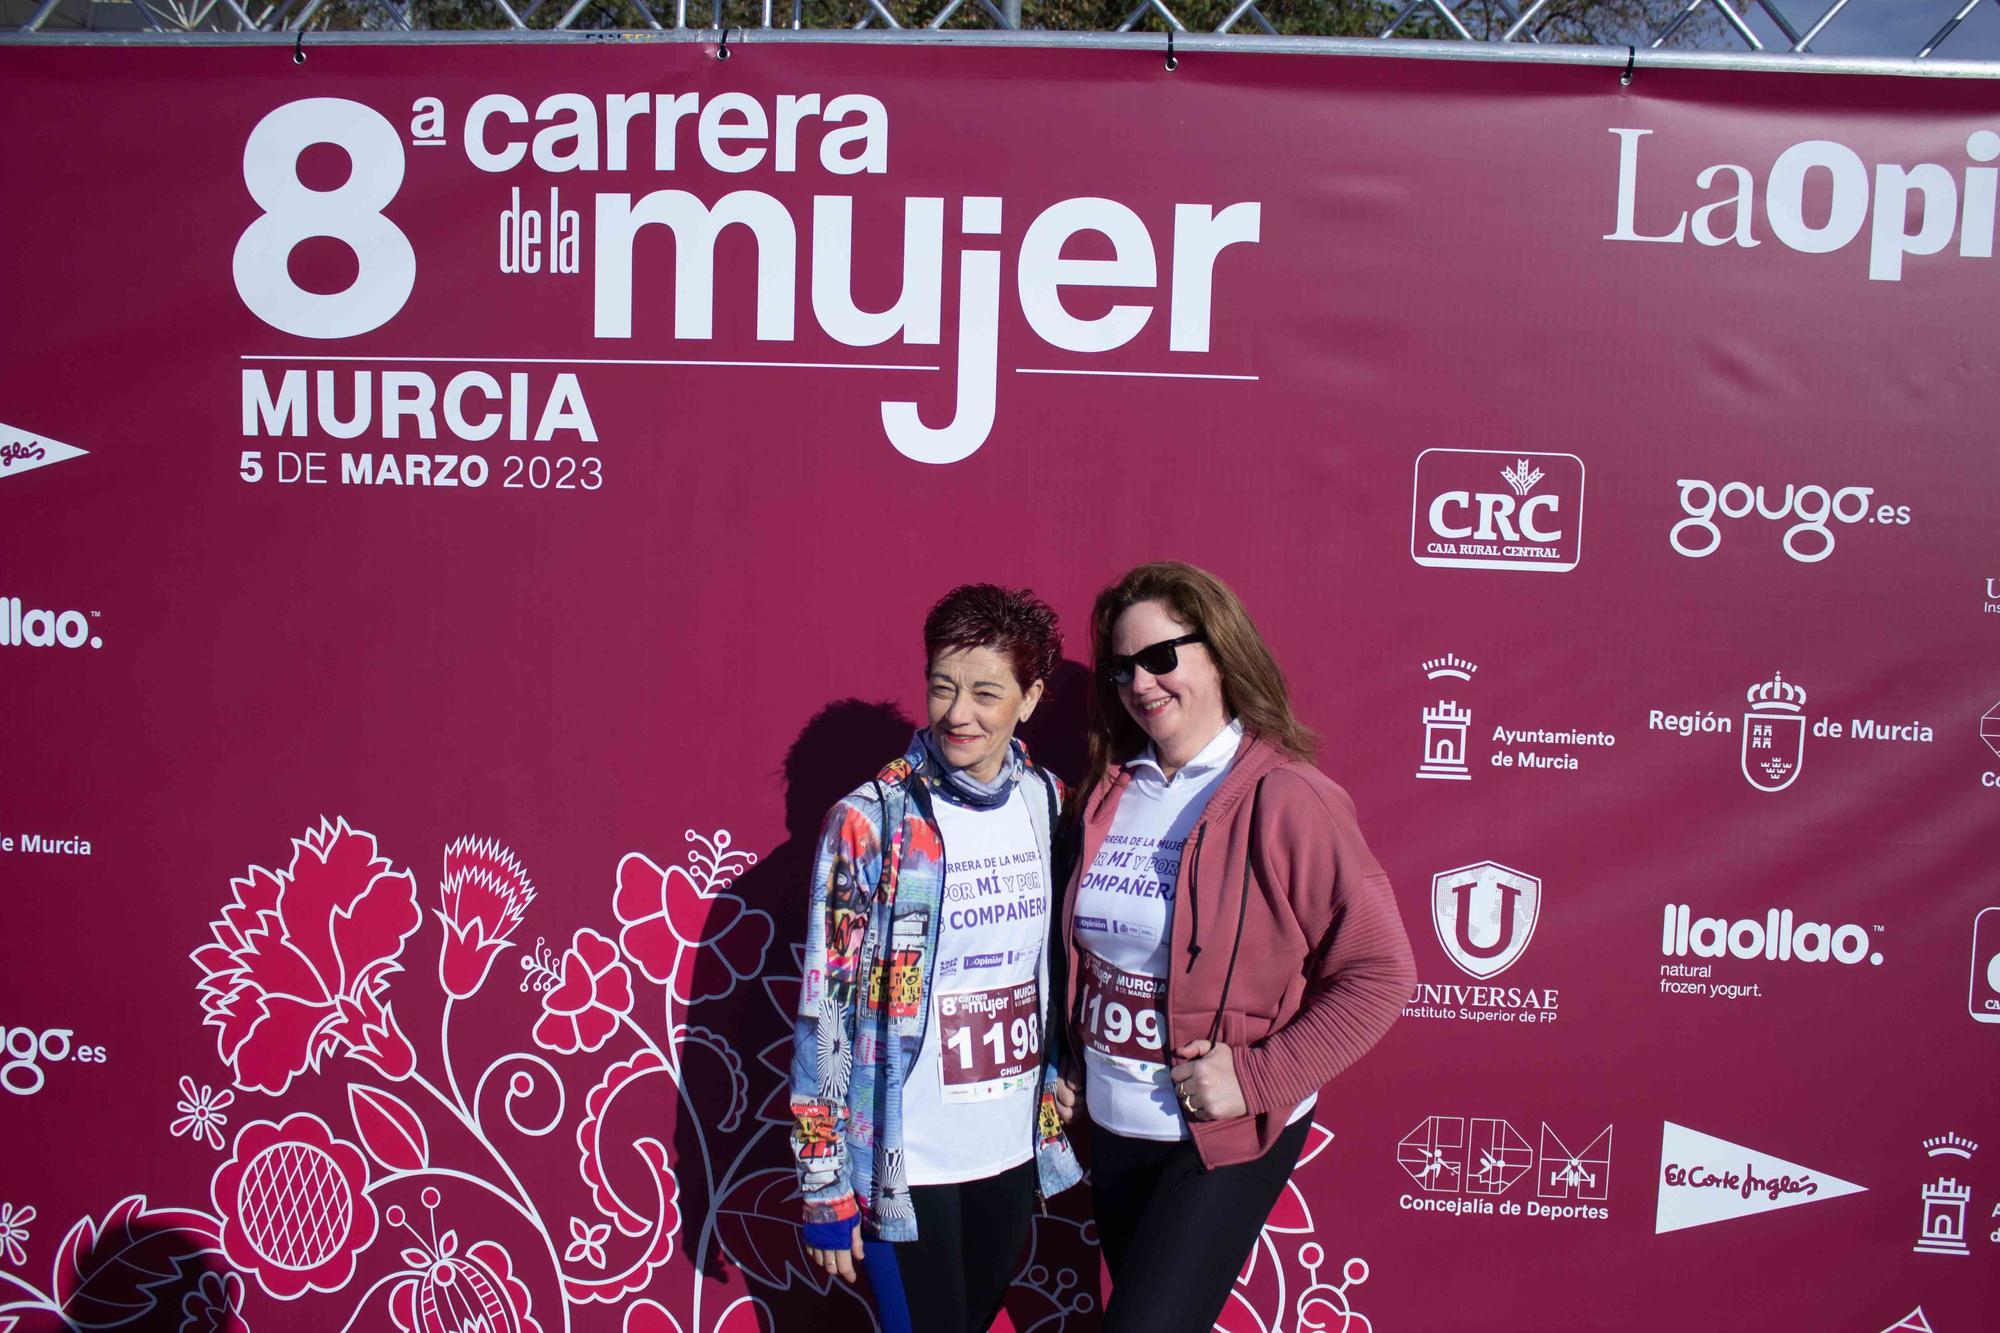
(468,510)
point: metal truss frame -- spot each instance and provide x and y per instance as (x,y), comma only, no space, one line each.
(1246,25)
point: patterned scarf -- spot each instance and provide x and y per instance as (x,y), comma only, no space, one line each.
(962,787)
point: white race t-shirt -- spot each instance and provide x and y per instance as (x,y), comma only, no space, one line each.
(1124,929)
(969,1103)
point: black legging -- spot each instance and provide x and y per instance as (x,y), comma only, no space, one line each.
(1175,1234)
(952,1278)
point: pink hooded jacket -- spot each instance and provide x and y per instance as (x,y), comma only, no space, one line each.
(1284,925)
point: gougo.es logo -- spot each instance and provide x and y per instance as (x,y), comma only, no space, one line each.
(27,1051)
(1813,508)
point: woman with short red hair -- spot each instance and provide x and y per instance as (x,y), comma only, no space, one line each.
(923,1066)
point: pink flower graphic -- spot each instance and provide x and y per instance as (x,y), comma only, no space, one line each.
(457,1293)
(586,1242)
(294,1206)
(302,958)
(202,1113)
(14,1233)
(215,1305)
(583,1010)
(668,914)
(485,895)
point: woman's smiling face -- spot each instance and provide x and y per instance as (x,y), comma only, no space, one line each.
(1182,709)
(975,704)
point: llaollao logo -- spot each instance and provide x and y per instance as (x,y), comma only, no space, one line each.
(1777,936)
(24,626)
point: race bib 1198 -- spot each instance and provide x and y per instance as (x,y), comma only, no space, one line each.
(990,1040)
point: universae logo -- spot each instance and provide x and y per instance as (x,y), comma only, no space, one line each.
(1485,915)
(1497,509)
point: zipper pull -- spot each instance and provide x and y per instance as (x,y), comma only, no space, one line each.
(1194,872)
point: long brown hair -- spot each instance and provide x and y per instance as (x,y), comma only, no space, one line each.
(1253,688)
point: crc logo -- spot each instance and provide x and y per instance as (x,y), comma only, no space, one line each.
(1494,509)
(36,627)
(26,1051)
(1809,540)
(1485,915)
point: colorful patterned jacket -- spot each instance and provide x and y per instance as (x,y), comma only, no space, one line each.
(871,940)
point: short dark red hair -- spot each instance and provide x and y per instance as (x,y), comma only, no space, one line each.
(1012,622)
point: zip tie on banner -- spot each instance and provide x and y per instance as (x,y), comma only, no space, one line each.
(722,51)
(1631,58)
(299,49)
(1173,61)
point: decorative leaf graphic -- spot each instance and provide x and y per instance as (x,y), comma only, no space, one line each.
(746,1314)
(757,1224)
(117,1271)
(388,1128)
(1290,1213)
(1317,1137)
(649,1316)
(1239,1316)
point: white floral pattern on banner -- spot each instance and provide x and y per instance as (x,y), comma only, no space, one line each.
(14,1233)
(676,1155)
(214,1306)
(202,1115)
(586,1242)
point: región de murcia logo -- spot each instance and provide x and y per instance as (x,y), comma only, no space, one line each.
(1774,727)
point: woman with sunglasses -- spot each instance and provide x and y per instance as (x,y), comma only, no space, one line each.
(922,1085)
(1233,945)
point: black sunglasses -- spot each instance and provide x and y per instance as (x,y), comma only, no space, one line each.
(1159,659)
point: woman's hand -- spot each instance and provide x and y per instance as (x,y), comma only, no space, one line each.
(1206,1082)
(840,1262)
(1069,1096)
